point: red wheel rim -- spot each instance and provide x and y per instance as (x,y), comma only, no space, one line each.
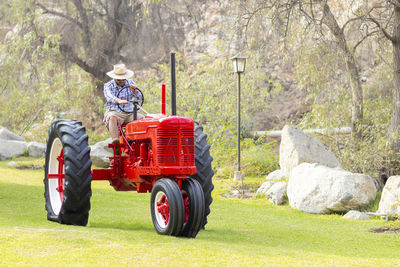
(59,175)
(162,209)
(186,205)
(55,175)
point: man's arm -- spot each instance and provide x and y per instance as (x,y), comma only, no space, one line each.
(110,97)
(133,88)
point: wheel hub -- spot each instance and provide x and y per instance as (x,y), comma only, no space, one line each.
(56,175)
(186,205)
(162,209)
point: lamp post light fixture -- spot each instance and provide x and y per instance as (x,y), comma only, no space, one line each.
(239,65)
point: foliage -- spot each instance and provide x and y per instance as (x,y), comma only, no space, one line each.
(370,154)
(39,84)
(259,159)
(320,69)
(207,92)
(37,89)
(373,205)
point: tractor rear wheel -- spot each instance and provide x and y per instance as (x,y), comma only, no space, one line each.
(193,200)
(167,211)
(67,180)
(204,173)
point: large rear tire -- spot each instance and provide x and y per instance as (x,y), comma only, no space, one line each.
(67,180)
(204,173)
(166,207)
(193,200)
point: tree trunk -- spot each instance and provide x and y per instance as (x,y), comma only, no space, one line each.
(351,67)
(395,120)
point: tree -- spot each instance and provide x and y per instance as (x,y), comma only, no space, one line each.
(352,70)
(386,16)
(318,15)
(97,34)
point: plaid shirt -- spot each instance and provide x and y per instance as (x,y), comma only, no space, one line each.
(112,91)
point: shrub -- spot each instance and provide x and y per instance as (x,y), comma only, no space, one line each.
(259,158)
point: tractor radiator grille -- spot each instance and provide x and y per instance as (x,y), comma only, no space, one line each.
(175,147)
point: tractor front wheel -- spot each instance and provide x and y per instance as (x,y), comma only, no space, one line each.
(193,200)
(67,180)
(167,210)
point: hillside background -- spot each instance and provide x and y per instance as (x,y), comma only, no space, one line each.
(54,56)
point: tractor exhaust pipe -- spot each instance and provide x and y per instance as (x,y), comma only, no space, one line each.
(163,99)
(173,85)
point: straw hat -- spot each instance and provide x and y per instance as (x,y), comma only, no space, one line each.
(120,72)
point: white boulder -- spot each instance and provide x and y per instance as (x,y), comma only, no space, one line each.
(7,135)
(390,200)
(276,194)
(264,188)
(297,147)
(11,148)
(275,175)
(100,152)
(36,149)
(356,215)
(319,189)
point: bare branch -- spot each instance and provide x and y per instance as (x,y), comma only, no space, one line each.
(288,19)
(387,35)
(85,23)
(352,20)
(395,3)
(363,39)
(68,52)
(250,14)
(59,14)
(312,10)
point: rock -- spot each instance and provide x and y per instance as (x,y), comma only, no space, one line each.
(264,187)
(235,192)
(11,148)
(275,175)
(99,153)
(297,147)
(390,200)
(7,135)
(36,149)
(276,194)
(12,163)
(319,189)
(356,215)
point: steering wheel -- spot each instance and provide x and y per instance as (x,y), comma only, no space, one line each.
(131,101)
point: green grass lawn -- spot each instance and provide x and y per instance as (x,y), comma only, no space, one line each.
(120,232)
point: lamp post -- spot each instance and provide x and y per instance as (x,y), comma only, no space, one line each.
(239,65)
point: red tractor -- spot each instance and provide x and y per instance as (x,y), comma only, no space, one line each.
(165,155)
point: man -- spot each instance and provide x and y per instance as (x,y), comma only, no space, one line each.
(118,91)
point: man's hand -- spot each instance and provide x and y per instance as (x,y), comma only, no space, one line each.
(121,101)
(133,88)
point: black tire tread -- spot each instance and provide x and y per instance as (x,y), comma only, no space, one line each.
(197,208)
(177,213)
(205,173)
(77,187)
